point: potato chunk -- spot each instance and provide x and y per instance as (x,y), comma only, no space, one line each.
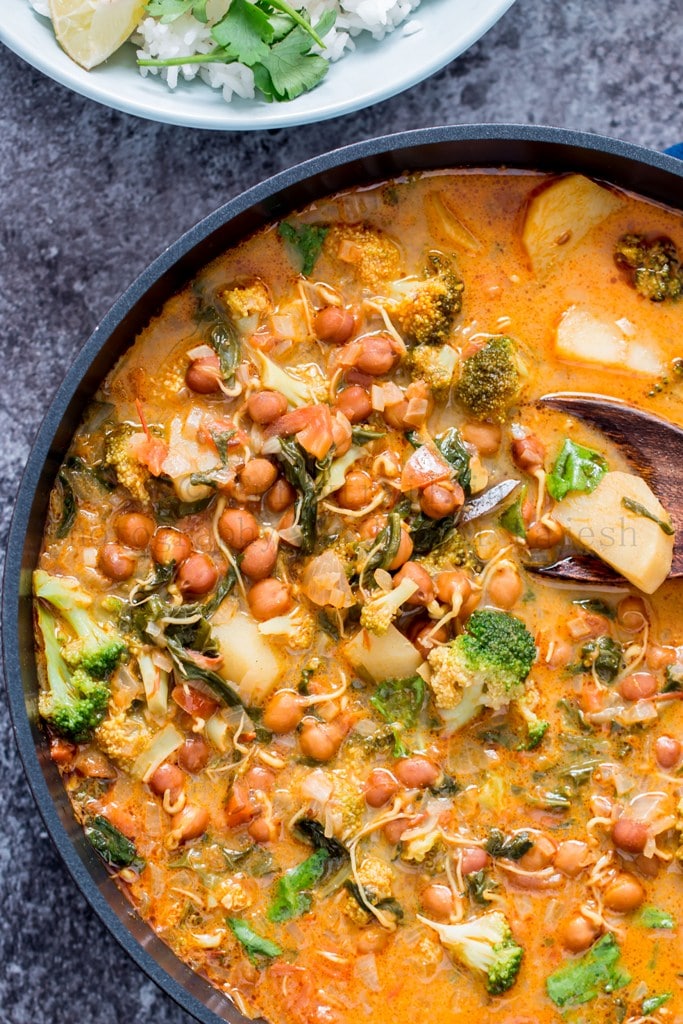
(585,338)
(560,216)
(391,656)
(248,659)
(634,545)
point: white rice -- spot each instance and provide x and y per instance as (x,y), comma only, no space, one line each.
(186,37)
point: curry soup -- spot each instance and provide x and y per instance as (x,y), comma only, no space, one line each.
(347,754)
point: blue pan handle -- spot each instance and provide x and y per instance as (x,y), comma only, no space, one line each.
(676,150)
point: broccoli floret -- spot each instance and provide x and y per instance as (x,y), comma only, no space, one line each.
(425,309)
(490,379)
(74,703)
(484,667)
(378,614)
(119,454)
(656,270)
(454,551)
(435,365)
(485,944)
(247,300)
(374,256)
(93,648)
(123,738)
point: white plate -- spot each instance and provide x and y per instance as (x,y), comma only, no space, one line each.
(373,72)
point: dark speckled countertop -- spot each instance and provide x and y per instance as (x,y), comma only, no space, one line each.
(88,197)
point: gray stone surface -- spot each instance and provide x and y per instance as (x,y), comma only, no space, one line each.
(87,197)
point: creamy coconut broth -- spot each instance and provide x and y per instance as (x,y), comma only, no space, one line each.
(346,754)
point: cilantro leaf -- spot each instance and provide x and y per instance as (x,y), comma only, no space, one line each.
(512,519)
(307,241)
(576,469)
(653,1003)
(169,10)
(254,945)
(596,971)
(653,917)
(291,896)
(244,33)
(290,67)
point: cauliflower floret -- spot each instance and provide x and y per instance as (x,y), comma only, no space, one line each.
(435,365)
(123,738)
(233,893)
(374,255)
(247,300)
(378,614)
(376,878)
(297,629)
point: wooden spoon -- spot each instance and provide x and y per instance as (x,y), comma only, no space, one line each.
(653,447)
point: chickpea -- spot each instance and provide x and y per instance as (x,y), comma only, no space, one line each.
(485,437)
(193,756)
(262,830)
(237,527)
(341,434)
(191,822)
(372,940)
(437,901)
(540,855)
(623,894)
(505,587)
(638,686)
(283,712)
(203,375)
(258,476)
(442,499)
(268,598)
(425,593)
(560,655)
(169,545)
(667,751)
(579,933)
(114,561)
(259,557)
(261,778)
(416,772)
(265,407)
(354,402)
(334,324)
(543,535)
(393,830)
(377,354)
(425,639)
(528,453)
(629,835)
(405,550)
(632,613)
(357,490)
(320,740)
(280,496)
(380,787)
(167,777)
(134,529)
(570,857)
(197,575)
(474,858)
(286,521)
(450,583)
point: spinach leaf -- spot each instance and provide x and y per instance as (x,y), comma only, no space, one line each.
(254,945)
(512,518)
(576,469)
(307,241)
(653,917)
(293,461)
(596,606)
(366,895)
(314,833)
(673,679)
(454,452)
(478,885)
(653,1003)
(596,971)
(641,510)
(113,847)
(605,656)
(291,896)
(399,702)
(383,550)
(69,507)
(361,435)
(427,534)
(509,847)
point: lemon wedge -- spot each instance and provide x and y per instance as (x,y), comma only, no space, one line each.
(91,30)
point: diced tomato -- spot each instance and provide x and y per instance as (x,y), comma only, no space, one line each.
(425,466)
(61,751)
(312,426)
(194,702)
(240,808)
(211,428)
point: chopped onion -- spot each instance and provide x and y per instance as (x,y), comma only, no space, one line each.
(317,786)
(200,352)
(365,970)
(324,582)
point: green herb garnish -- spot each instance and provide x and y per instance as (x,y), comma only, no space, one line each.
(576,469)
(307,241)
(640,510)
(292,897)
(254,945)
(596,971)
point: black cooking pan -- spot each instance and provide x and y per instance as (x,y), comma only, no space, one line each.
(651,174)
